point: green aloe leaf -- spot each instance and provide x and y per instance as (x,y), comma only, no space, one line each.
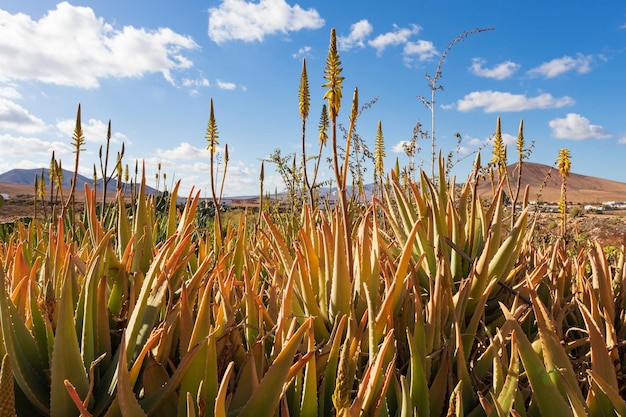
(67,360)
(546,393)
(265,399)
(27,361)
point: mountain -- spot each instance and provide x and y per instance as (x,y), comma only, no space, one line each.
(545,185)
(27,177)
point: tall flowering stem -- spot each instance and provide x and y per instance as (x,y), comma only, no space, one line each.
(379,155)
(323,138)
(564,165)
(304,104)
(211,137)
(78,141)
(334,80)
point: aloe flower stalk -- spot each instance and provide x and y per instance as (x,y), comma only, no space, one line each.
(564,165)
(304,104)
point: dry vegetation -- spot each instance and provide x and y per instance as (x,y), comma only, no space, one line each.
(427,300)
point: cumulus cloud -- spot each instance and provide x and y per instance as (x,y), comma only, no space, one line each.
(359,31)
(581,64)
(400,146)
(576,127)
(224,85)
(498,72)
(71,46)
(18,146)
(421,50)
(94,131)
(252,21)
(10,93)
(498,101)
(184,151)
(622,140)
(303,52)
(398,36)
(195,84)
(15,117)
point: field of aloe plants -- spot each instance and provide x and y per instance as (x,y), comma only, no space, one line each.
(425,300)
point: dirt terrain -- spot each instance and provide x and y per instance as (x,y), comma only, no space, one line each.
(608,228)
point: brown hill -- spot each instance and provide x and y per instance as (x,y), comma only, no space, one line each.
(545,185)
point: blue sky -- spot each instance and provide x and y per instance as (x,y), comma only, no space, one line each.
(151,67)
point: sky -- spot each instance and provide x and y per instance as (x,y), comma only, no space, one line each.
(152,67)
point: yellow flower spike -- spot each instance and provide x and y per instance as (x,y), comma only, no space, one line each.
(332,76)
(323,126)
(303,93)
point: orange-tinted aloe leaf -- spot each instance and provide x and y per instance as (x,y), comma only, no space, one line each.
(613,395)
(220,401)
(128,404)
(76,398)
(267,397)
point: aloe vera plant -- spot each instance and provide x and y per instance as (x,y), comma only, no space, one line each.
(426,301)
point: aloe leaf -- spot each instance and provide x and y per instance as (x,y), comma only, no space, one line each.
(308,406)
(67,360)
(266,398)
(506,397)
(220,401)
(545,390)
(418,388)
(555,357)
(613,395)
(7,392)
(128,404)
(26,358)
(330,373)
(340,284)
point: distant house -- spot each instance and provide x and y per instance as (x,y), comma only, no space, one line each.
(5,196)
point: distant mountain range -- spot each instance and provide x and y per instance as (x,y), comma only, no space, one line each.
(544,182)
(545,185)
(27,177)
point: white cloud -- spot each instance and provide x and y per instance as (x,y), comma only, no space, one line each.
(359,31)
(576,127)
(94,131)
(184,151)
(423,50)
(499,72)
(303,52)
(622,140)
(30,146)
(226,85)
(581,64)
(194,84)
(497,101)
(248,21)
(71,46)
(397,37)
(506,139)
(399,147)
(197,82)
(10,93)
(15,117)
